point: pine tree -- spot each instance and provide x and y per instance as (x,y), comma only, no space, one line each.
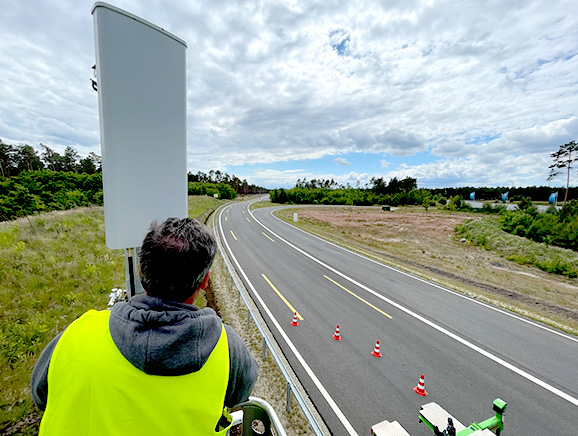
(563,159)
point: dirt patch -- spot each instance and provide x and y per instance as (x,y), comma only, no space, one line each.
(29,424)
(425,243)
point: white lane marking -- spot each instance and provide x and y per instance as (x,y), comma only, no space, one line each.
(293,348)
(461,340)
(450,291)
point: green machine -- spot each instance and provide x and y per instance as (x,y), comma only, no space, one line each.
(436,417)
(443,423)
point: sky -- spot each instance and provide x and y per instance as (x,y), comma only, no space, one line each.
(452,93)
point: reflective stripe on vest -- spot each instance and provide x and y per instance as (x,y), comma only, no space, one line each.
(94,391)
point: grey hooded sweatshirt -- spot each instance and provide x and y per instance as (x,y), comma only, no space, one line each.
(162,337)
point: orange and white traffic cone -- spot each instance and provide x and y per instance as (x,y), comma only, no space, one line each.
(376,351)
(295,322)
(337,335)
(420,388)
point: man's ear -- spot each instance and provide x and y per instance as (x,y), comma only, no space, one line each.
(205,282)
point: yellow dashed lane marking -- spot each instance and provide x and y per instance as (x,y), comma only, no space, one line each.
(264,234)
(358,297)
(282,297)
(233,235)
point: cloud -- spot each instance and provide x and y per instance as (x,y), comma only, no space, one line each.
(397,142)
(524,170)
(300,80)
(448,147)
(341,161)
(273,178)
(544,138)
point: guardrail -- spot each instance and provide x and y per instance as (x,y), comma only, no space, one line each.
(267,343)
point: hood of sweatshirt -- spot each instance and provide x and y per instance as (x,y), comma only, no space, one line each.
(162,337)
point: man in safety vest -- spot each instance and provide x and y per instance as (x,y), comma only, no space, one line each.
(155,365)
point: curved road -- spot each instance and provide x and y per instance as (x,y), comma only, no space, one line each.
(470,352)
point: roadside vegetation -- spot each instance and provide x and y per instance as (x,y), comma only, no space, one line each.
(32,192)
(489,234)
(548,241)
(55,267)
(554,227)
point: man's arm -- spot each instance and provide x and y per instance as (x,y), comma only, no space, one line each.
(242,370)
(39,379)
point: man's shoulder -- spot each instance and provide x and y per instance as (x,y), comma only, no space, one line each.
(236,343)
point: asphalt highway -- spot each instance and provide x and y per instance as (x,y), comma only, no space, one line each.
(469,352)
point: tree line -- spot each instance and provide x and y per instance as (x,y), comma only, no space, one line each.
(223,190)
(241,187)
(14,159)
(393,193)
(33,181)
(377,185)
(400,192)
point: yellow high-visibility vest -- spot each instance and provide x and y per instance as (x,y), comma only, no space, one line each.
(94,391)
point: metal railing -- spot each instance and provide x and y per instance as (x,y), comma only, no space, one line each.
(291,384)
(258,417)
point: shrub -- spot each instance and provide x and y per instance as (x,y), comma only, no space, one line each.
(37,191)
(527,206)
(487,233)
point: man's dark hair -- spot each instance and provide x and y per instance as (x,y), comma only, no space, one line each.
(175,256)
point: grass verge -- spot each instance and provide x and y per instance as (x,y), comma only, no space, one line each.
(54,267)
